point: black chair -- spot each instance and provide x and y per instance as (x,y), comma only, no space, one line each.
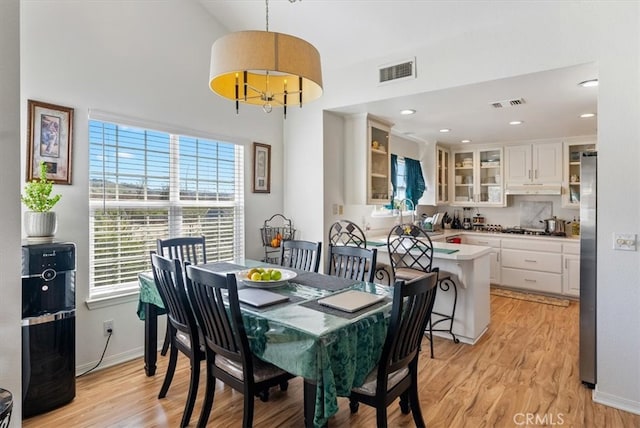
(192,249)
(186,339)
(345,232)
(302,255)
(411,254)
(228,355)
(397,372)
(352,262)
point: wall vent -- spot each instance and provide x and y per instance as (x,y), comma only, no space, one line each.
(508,103)
(397,71)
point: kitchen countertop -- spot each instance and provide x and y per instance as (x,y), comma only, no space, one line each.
(457,232)
(462,251)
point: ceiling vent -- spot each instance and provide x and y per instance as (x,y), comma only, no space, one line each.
(397,71)
(508,103)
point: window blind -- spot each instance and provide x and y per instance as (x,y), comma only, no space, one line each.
(147,184)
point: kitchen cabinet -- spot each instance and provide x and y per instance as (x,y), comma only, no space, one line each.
(536,163)
(478,177)
(571,181)
(494,256)
(442,175)
(532,265)
(367,160)
(571,270)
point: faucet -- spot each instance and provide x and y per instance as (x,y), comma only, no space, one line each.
(413,210)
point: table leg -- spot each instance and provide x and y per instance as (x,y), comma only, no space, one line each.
(309,403)
(150,338)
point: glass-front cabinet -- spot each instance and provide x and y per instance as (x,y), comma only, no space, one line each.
(478,177)
(379,162)
(571,182)
(442,175)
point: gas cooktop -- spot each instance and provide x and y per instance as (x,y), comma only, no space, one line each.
(535,232)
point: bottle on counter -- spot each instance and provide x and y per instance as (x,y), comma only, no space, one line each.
(575,227)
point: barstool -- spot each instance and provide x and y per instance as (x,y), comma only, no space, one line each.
(6,407)
(411,255)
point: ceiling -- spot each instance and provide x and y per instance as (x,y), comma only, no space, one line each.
(553,100)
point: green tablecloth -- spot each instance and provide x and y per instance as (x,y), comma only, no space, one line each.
(332,351)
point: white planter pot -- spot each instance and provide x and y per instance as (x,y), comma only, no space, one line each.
(40,225)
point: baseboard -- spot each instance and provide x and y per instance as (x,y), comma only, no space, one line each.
(616,402)
(112,360)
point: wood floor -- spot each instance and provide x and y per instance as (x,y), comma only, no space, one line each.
(525,366)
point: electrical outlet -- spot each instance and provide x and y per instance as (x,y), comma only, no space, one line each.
(624,241)
(107,326)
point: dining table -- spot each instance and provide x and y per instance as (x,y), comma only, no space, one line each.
(331,349)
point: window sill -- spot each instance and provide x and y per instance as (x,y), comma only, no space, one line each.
(106,300)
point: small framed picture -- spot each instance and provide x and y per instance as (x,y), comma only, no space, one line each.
(49,140)
(261,168)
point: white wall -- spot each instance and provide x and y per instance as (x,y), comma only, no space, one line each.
(10,312)
(147,61)
(535,37)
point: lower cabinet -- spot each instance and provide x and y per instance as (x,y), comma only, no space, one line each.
(571,273)
(532,265)
(494,256)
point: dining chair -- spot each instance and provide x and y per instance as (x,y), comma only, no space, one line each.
(185,248)
(396,374)
(228,355)
(168,275)
(346,232)
(411,255)
(303,255)
(352,262)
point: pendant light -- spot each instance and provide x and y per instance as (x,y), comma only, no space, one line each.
(265,68)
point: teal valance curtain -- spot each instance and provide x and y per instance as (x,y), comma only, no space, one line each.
(415,180)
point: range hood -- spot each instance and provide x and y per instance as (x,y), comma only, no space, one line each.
(533,189)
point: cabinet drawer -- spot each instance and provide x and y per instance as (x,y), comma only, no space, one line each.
(542,262)
(532,244)
(530,280)
(571,248)
(481,240)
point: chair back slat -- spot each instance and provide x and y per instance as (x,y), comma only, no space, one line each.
(223,329)
(345,232)
(303,255)
(168,276)
(410,246)
(352,262)
(190,249)
(412,306)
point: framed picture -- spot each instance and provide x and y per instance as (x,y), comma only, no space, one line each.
(261,168)
(49,140)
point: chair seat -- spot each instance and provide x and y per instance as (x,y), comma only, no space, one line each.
(261,369)
(186,340)
(408,274)
(370,383)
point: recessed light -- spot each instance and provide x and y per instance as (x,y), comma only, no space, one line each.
(587,115)
(407,111)
(465,141)
(443,130)
(589,83)
(516,122)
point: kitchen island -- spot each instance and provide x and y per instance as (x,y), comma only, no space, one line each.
(469,268)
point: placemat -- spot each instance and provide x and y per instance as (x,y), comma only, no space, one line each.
(221,267)
(313,304)
(323,282)
(376,244)
(444,250)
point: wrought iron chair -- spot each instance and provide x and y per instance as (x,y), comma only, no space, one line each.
(352,262)
(303,255)
(168,277)
(192,249)
(397,372)
(228,355)
(346,232)
(411,254)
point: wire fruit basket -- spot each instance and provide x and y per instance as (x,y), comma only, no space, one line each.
(275,230)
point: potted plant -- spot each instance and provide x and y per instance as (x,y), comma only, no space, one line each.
(40,221)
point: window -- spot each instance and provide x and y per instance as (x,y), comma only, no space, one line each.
(401,179)
(407,180)
(146,184)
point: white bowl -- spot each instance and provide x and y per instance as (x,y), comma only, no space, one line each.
(286,276)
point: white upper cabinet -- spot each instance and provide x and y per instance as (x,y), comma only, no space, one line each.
(537,163)
(571,182)
(478,177)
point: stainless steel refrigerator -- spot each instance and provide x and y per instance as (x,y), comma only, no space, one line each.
(588,267)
